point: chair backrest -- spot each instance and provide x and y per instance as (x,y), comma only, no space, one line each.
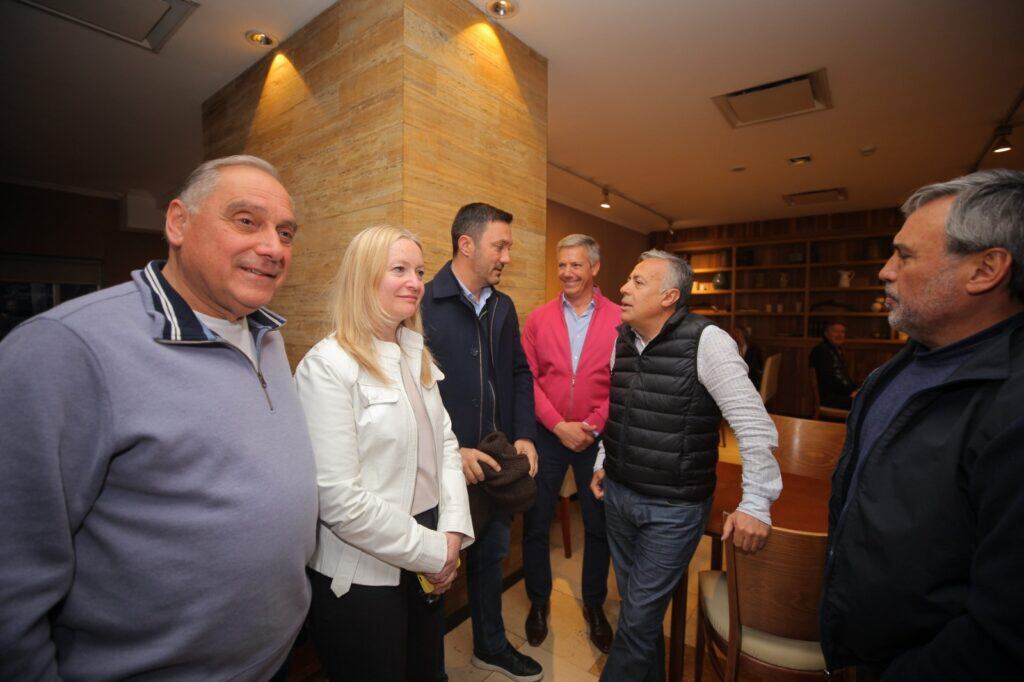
(815,394)
(777,589)
(808,447)
(770,378)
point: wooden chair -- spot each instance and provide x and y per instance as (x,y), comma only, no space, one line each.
(770,378)
(762,615)
(820,411)
(807,447)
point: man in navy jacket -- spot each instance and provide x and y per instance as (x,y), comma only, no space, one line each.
(473,332)
(925,555)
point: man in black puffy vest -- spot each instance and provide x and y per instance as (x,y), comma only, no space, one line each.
(674,376)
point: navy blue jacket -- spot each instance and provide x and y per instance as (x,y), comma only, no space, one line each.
(924,569)
(450,326)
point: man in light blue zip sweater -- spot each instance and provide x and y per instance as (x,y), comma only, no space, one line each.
(157,489)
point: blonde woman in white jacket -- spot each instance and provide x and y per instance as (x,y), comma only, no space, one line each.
(393,497)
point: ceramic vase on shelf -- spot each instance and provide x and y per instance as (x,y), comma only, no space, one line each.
(845,278)
(720,280)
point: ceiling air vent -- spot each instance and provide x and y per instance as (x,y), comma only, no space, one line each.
(818,196)
(771,101)
(148,24)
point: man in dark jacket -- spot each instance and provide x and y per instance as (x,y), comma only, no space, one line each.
(923,580)
(473,332)
(835,387)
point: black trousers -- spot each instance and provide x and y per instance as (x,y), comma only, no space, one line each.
(378,633)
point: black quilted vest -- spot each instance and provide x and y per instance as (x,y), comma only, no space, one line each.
(661,438)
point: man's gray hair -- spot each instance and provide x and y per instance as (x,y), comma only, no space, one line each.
(988,212)
(204,178)
(679,275)
(584,240)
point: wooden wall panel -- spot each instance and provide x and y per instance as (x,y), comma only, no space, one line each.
(49,223)
(326,109)
(475,113)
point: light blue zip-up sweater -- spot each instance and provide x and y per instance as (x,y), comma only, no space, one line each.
(157,494)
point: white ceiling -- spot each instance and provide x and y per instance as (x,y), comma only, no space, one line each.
(630,88)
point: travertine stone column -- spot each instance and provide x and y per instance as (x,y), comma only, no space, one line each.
(393,111)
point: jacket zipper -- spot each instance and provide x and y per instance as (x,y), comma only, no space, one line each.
(490,346)
(909,410)
(258,372)
(480,363)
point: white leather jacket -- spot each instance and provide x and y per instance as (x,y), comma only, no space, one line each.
(364,440)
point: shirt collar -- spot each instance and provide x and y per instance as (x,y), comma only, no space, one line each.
(485,294)
(180,322)
(590,306)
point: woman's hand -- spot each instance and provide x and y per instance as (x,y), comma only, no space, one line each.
(444,578)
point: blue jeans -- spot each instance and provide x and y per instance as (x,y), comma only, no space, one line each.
(484,560)
(652,540)
(554,460)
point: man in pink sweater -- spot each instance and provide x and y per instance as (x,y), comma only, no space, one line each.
(568,343)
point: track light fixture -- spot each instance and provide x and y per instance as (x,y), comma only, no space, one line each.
(604,202)
(1002,143)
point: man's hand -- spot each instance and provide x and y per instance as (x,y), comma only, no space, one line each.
(576,436)
(471,460)
(597,484)
(747,533)
(524,446)
(444,578)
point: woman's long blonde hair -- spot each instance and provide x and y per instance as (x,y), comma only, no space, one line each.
(356,312)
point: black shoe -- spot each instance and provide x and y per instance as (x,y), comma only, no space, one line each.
(600,629)
(537,622)
(511,664)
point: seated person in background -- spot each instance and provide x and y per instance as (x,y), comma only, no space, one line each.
(393,498)
(750,353)
(835,387)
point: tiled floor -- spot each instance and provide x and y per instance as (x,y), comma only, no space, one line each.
(566,654)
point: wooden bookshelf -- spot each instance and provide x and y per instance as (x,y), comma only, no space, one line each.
(781,279)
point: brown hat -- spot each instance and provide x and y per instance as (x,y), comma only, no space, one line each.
(510,490)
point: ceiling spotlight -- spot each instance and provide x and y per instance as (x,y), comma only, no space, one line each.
(799,160)
(737,169)
(604,202)
(502,9)
(260,38)
(1002,143)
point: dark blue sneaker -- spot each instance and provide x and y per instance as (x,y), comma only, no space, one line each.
(511,664)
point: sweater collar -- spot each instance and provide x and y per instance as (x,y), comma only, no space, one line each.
(179,322)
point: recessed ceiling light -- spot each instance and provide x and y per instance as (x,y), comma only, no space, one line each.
(502,9)
(737,169)
(867,150)
(260,38)
(799,160)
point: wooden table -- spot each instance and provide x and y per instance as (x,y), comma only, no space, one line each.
(803,505)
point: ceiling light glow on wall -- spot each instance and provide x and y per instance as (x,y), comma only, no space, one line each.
(604,202)
(502,9)
(260,38)
(1002,143)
